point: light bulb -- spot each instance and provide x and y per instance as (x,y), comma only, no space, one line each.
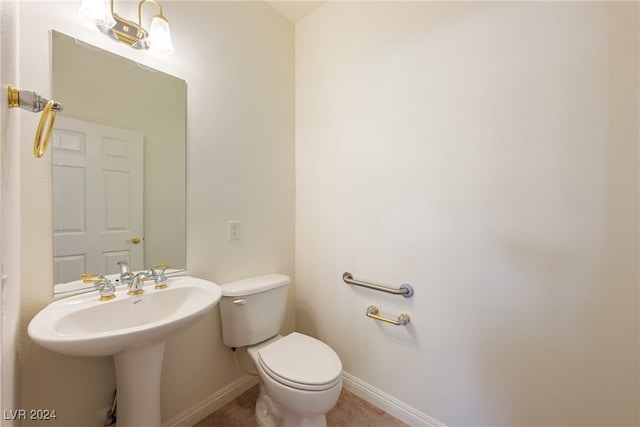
(98,12)
(160,34)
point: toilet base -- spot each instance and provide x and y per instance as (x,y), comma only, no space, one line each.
(270,414)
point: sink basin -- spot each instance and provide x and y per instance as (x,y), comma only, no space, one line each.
(131,328)
(83,325)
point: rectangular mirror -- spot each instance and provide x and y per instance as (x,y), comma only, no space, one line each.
(119,151)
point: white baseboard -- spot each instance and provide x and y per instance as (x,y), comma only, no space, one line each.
(389,404)
(212,403)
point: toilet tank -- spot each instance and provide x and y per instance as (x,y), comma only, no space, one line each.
(252,310)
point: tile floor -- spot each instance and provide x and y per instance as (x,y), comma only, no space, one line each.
(350,411)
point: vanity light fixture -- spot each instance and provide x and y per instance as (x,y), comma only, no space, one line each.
(118,28)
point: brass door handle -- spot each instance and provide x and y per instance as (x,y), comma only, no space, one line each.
(135,240)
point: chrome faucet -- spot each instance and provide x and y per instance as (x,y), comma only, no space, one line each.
(101,283)
(136,285)
(126,276)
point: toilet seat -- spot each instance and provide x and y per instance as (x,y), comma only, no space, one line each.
(301,362)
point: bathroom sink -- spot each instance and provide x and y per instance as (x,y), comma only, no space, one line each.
(131,328)
(82,325)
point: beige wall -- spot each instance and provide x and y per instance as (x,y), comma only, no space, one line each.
(486,153)
(237,60)
(9,213)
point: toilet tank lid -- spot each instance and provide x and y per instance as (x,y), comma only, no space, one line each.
(254,285)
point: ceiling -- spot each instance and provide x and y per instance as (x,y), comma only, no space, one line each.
(295,10)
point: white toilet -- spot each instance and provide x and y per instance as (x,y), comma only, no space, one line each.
(300,376)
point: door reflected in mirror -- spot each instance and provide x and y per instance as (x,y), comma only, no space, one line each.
(118,164)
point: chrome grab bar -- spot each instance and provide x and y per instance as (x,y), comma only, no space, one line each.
(403,319)
(405,289)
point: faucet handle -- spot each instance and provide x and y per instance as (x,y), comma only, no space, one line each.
(101,283)
(90,278)
(159,276)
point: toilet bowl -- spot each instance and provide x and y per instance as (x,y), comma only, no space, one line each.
(300,376)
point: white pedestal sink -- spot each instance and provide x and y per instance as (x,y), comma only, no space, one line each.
(131,328)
